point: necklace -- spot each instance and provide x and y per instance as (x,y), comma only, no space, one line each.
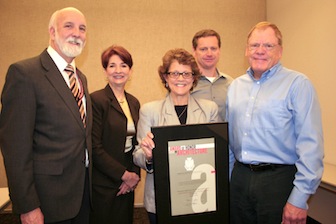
(121,101)
(183,111)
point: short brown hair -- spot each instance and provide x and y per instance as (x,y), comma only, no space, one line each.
(264,25)
(183,57)
(124,55)
(205,33)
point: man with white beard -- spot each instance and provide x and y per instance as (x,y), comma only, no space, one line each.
(45,128)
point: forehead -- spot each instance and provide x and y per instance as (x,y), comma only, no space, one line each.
(115,58)
(207,41)
(71,16)
(175,65)
(263,35)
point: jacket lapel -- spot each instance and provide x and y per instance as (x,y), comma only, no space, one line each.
(58,83)
(114,102)
(133,109)
(194,111)
(169,113)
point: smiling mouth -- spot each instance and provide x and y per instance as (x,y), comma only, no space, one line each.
(260,59)
(180,84)
(118,76)
(74,41)
(209,59)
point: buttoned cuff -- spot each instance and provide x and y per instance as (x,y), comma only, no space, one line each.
(298,199)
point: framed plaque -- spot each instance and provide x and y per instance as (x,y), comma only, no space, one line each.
(191,173)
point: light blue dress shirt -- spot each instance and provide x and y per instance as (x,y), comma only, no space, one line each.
(277,119)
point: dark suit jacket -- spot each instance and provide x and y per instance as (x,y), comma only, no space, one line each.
(109,133)
(43,139)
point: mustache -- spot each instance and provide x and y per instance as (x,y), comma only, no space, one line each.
(74,40)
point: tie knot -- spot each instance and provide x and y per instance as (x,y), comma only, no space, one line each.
(69,68)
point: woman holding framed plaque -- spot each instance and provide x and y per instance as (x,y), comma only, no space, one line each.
(179,74)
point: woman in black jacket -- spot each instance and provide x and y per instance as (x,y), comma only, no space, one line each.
(115,116)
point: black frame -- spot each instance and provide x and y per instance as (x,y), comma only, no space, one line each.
(164,134)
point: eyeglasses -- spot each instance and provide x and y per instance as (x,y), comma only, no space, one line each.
(267,47)
(176,75)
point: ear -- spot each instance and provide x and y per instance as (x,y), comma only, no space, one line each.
(105,74)
(246,51)
(194,52)
(52,32)
(165,77)
(280,52)
(130,74)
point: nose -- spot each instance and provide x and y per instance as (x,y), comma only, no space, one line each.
(117,69)
(180,76)
(76,31)
(261,49)
(208,52)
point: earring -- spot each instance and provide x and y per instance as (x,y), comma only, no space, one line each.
(166,85)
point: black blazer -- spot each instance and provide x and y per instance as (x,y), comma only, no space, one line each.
(43,139)
(109,133)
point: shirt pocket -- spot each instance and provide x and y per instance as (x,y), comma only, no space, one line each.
(271,114)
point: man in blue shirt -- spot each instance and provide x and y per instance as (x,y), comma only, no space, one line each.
(276,139)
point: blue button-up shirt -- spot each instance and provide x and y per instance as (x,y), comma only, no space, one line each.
(277,119)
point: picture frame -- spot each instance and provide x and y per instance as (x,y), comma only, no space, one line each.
(191,173)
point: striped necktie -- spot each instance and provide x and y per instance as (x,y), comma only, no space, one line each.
(76,91)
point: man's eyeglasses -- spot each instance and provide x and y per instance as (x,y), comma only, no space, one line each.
(267,47)
(176,75)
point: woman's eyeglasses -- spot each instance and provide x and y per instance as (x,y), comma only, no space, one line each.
(176,75)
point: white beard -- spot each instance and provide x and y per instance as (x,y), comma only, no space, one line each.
(68,49)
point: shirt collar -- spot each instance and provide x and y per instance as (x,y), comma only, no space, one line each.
(267,74)
(59,61)
(218,75)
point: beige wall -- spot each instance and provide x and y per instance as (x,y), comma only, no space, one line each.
(308,29)
(147,28)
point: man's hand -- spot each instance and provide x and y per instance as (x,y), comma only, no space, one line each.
(293,214)
(33,217)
